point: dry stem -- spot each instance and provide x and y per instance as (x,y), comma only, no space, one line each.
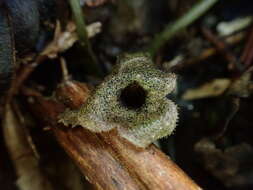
(108,161)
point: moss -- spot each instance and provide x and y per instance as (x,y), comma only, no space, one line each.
(132,99)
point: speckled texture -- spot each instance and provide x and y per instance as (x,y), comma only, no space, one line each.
(155,119)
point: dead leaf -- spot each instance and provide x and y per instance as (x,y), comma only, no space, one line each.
(212,89)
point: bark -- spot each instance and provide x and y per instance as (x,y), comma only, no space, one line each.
(108,161)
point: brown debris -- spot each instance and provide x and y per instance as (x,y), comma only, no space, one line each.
(227,165)
(23,157)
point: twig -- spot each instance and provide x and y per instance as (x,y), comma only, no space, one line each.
(172,29)
(247,55)
(222,47)
(206,53)
(62,41)
(65,74)
(235,105)
(108,161)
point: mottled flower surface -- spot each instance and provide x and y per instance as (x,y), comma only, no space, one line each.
(133,100)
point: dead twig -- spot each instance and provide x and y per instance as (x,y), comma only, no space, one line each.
(108,161)
(247,55)
(222,47)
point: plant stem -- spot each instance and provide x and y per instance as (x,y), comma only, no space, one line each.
(83,34)
(172,29)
